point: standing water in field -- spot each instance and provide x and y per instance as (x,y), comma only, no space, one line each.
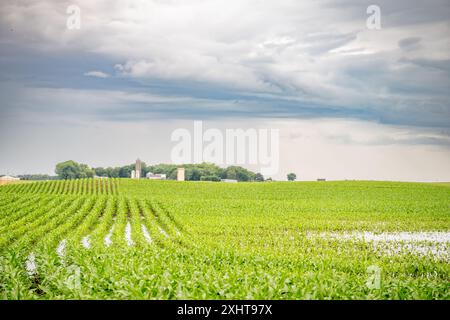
(86,242)
(30,265)
(108,240)
(393,243)
(146,234)
(128,235)
(437,237)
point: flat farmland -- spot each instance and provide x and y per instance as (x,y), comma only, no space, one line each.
(141,239)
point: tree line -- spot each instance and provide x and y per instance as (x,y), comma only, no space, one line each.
(193,172)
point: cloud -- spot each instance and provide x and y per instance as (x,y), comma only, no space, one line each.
(408,44)
(351,103)
(96,74)
(290,59)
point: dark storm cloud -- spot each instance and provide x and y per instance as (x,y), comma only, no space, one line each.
(278,60)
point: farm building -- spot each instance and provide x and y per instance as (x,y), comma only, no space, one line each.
(155,176)
(229,180)
(136,173)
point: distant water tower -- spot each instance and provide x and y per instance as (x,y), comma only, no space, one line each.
(138,169)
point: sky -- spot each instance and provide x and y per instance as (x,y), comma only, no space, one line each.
(349,101)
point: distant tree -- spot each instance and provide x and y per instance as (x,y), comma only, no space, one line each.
(169,169)
(292,176)
(67,170)
(209,178)
(86,172)
(37,177)
(100,172)
(239,174)
(125,171)
(73,170)
(172,175)
(231,173)
(113,172)
(193,174)
(259,177)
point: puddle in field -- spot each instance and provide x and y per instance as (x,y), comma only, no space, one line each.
(435,244)
(30,265)
(438,251)
(128,235)
(86,242)
(437,237)
(146,234)
(108,240)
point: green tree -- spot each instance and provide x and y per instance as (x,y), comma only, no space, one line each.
(113,172)
(259,177)
(125,171)
(239,174)
(37,177)
(73,170)
(193,174)
(101,172)
(85,171)
(292,176)
(210,178)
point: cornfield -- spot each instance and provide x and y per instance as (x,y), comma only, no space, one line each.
(140,239)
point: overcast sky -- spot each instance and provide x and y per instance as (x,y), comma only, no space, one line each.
(350,102)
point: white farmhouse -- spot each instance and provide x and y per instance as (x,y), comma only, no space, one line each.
(155,176)
(229,180)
